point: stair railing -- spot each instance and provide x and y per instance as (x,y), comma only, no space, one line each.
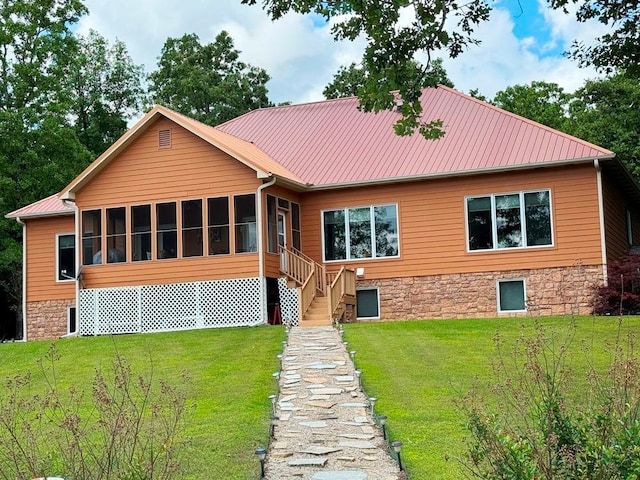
(297,266)
(307,293)
(343,285)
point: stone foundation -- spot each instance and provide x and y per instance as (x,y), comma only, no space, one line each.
(549,291)
(47,320)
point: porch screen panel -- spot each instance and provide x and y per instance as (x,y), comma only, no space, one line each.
(167,230)
(295,226)
(245,222)
(335,246)
(116,235)
(480,223)
(91,237)
(272,225)
(538,218)
(140,233)
(192,239)
(386,230)
(218,224)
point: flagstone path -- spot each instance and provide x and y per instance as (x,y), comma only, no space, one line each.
(323,427)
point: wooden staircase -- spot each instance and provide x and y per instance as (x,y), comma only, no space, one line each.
(323,298)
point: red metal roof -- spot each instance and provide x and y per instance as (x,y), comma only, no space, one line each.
(49,206)
(332,142)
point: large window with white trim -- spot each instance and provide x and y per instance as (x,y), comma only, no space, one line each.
(512,220)
(360,232)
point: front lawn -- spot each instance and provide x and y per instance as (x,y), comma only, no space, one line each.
(419,370)
(230,381)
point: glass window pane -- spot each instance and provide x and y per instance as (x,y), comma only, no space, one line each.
(245,208)
(334,235)
(166,229)
(192,239)
(272,226)
(367,303)
(511,294)
(508,221)
(218,209)
(66,257)
(91,237)
(295,216)
(116,235)
(192,214)
(246,240)
(360,232)
(192,242)
(480,223)
(116,221)
(283,204)
(386,224)
(219,240)
(166,216)
(538,215)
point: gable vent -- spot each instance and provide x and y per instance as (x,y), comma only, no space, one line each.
(164,138)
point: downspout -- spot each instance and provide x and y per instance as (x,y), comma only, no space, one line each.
(78,243)
(260,234)
(24,278)
(603,243)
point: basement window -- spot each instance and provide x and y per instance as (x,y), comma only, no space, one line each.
(511,296)
(368,303)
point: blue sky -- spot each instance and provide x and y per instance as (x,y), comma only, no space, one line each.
(519,45)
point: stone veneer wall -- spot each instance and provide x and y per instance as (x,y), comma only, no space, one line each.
(47,319)
(549,291)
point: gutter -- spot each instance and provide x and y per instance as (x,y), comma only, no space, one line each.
(603,243)
(24,278)
(78,243)
(260,235)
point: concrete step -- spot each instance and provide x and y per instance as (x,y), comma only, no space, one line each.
(324,322)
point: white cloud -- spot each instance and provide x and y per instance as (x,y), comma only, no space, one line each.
(301,56)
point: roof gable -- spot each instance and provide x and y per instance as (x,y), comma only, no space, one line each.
(47,207)
(332,143)
(241,150)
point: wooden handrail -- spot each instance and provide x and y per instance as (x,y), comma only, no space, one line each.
(297,266)
(343,284)
(307,293)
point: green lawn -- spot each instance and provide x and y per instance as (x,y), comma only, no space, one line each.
(418,371)
(230,381)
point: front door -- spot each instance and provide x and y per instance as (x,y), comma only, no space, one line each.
(282,237)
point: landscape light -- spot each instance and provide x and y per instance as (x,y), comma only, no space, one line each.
(372,403)
(359,377)
(383,425)
(397,446)
(262,455)
(273,397)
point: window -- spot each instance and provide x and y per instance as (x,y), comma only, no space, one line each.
(295,226)
(72,324)
(363,232)
(367,303)
(91,237)
(245,223)
(509,221)
(272,225)
(511,297)
(167,230)
(66,265)
(116,235)
(192,228)
(218,223)
(141,233)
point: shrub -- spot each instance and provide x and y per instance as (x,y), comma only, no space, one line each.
(622,294)
(537,433)
(127,428)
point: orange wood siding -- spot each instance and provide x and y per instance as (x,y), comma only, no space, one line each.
(146,174)
(41,259)
(432,222)
(615,220)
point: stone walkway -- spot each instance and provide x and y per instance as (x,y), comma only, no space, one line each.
(323,427)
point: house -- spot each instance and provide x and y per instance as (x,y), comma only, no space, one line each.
(301,212)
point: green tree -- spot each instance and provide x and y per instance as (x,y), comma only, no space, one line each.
(607,112)
(389,57)
(616,50)
(106,88)
(543,102)
(348,81)
(207,82)
(39,151)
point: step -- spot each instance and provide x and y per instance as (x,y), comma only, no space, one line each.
(325,322)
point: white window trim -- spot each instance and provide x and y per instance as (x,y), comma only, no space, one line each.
(524,289)
(58,235)
(346,223)
(377,289)
(494,231)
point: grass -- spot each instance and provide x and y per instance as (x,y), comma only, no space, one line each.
(230,380)
(419,371)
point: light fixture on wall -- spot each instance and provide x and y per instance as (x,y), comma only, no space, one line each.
(360,272)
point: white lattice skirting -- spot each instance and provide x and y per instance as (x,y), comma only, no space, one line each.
(176,306)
